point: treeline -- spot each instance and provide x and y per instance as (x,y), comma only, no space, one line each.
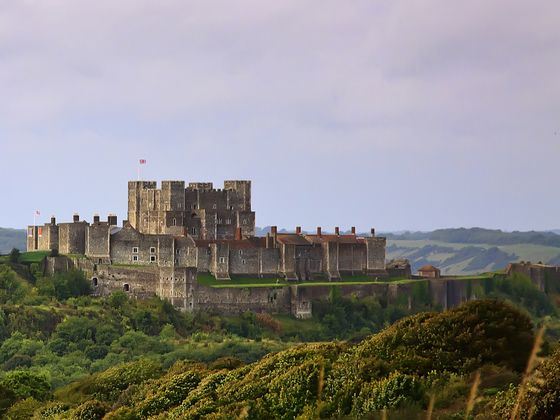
(482,236)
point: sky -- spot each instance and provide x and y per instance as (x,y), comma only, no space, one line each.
(398,115)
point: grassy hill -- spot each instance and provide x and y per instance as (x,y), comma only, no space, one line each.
(12,238)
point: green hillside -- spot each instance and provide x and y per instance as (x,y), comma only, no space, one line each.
(12,238)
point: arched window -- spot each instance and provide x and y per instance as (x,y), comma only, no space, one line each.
(94,281)
(126,287)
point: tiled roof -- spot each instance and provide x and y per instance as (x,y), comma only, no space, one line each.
(292,239)
(428,268)
(343,239)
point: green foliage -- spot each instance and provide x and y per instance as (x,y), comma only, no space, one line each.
(14,255)
(520,290)
(64,285)
(542,399)
(90,410)
(18,344)
(23,409)
(459,340)
(107,385)
(169,393)
(118,299)
(394,391)
(12,289)
(25,384)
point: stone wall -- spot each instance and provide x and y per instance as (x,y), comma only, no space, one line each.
(72,238)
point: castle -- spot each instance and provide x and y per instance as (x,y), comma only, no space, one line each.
(177,232)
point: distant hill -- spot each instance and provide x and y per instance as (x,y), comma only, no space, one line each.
(482,236)
(12,238)
(471,251)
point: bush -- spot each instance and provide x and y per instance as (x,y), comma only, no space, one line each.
(25,384)
(23,409)
(395,391)
(90,410)
(14,255)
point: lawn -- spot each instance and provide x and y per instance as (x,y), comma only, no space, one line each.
(33,257)
(240,282)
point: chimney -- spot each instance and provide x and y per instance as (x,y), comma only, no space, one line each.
(53,220)
(95,218)
(76,218)
(318,230)
(238,234)
(336,230)
(372,232)
(112,220)
(298,230)
(353,230)
(268,240)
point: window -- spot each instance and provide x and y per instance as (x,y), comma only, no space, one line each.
(219,221)
(94,281)
(228,221)
(177,251)
(240,252)
(126,287)
(214,206)
(30,232)
(193,231)
(222,260)
(243,262)
(152,250)
(135,250)
(152,258)
(244,221)
(174,222)
(40,230)
(176,260)
(135,258)
(179,205)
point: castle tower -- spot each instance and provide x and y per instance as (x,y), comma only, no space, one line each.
(135,190)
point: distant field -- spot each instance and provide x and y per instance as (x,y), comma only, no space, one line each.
(468,258)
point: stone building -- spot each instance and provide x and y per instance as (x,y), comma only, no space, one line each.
(198,210)
(174,233)
(429,272)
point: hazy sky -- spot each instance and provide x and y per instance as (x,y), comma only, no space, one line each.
(397,114)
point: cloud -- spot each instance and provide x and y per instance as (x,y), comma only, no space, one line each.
(323,103)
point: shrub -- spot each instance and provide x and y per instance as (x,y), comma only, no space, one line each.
(23,409)
(14,255)
(169,393)
(25,384)
(395,391)
(90,410)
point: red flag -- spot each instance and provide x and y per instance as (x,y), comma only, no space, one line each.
(142,161)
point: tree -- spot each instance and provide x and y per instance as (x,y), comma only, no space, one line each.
(14,255)
(25,384)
